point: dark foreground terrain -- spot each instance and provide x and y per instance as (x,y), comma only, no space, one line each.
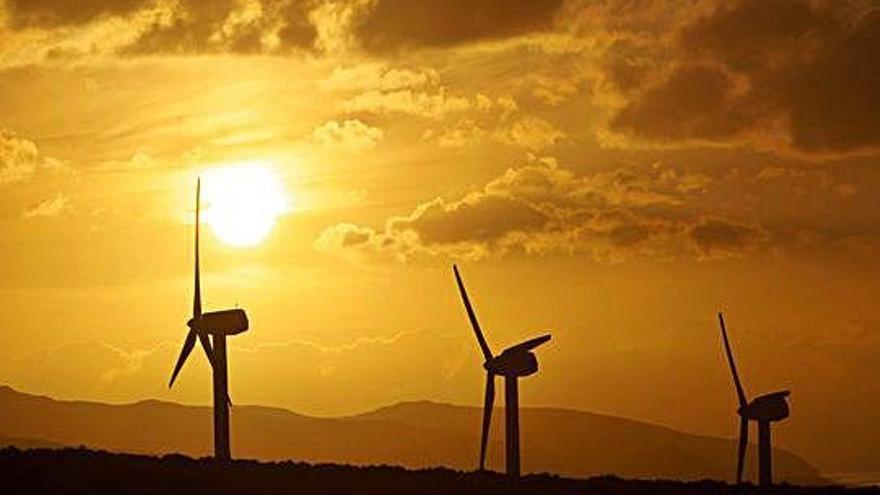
(83,471)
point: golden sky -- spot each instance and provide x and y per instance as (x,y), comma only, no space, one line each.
(614,171)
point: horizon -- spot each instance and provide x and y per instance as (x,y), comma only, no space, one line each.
(208,404)
(611,173)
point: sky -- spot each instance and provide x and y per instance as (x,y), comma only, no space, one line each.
(615,172)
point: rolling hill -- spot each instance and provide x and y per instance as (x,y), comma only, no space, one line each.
(413,435)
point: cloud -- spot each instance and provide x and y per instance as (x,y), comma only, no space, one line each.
(457,120)
(789,75)
(393,25)
(460,119)
(48,207)
(60,13)
(658,212)
(95,370)
(425,104)
(237,26)
(530,133)
(333,21)
(87,368)
(465,132)
(715,237)
(139,161)
(513,129)
(350,135)
(42,33)
(541,208)
(554,91)
(696,102)
(144,27)
(45,30)
(376,76)
(19,158)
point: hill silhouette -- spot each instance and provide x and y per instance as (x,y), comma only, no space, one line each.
(413,435)
(82,471)
(27,443)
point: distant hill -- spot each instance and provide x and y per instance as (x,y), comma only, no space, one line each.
(27,443)
(415,435)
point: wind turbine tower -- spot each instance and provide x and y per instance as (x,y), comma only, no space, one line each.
(211,329)
(514,362)
(763,409)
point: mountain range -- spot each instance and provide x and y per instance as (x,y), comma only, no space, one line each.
(410,434)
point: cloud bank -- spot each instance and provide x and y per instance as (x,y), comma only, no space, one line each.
(787,74)
(541,208)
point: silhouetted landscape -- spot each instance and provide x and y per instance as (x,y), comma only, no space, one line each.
(82,471)
(412,435)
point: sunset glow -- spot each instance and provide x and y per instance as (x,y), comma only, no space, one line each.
(611,172)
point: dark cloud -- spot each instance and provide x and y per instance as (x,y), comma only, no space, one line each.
(719,237)
(396,24)
(792,75)
(629,234)
(483,217)
(182,26)
(55,13)
(748,69)
(541,208)
(656,212)
(696,102)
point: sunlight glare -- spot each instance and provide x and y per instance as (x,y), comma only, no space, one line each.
(242,201)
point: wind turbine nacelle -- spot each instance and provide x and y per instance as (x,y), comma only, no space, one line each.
(769,407)
(226,322)
(517,363)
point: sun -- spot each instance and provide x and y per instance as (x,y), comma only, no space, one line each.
(243,201)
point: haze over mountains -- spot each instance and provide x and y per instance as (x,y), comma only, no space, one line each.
(412,434)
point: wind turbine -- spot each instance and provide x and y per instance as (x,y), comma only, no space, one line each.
(764,409)
(512,363)
(217,324)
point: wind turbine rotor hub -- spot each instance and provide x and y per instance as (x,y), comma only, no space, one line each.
(513,364)
(224,322)
(770,407)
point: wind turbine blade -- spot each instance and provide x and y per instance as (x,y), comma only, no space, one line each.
(487,353)
(529,344)
(741,451)
(739,389)
(197,292)
(206,345)
(188,345)
(488,405)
